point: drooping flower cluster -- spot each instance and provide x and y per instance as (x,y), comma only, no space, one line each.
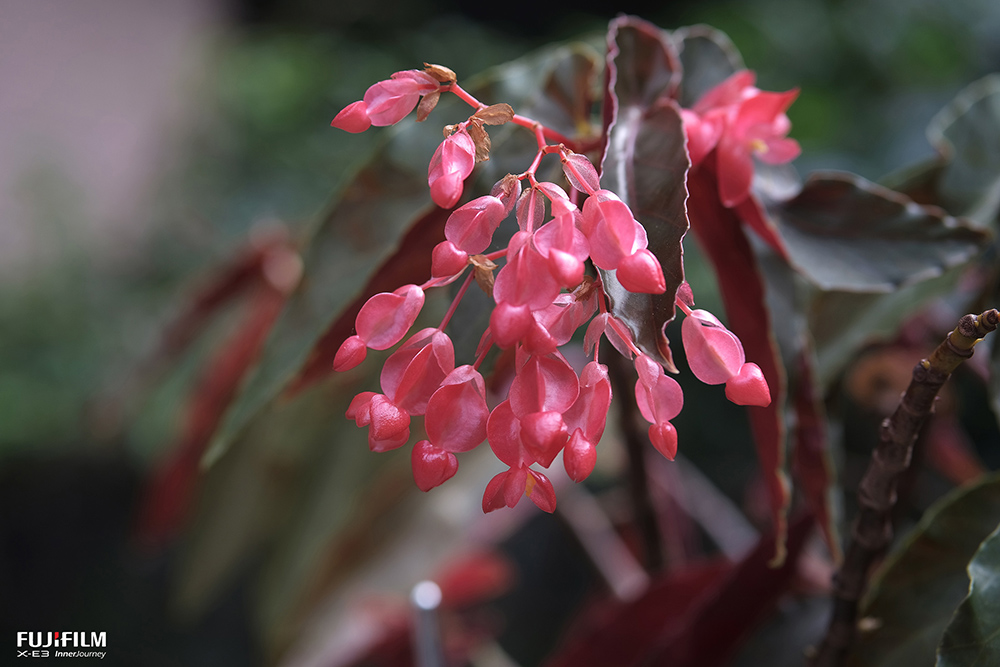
(739,121)
(543,295)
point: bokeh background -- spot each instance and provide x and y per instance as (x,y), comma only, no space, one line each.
(142,143)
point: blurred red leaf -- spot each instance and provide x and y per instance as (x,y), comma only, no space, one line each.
(721,236)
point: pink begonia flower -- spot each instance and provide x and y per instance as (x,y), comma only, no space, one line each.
(758,129)
(353,118)
(714,353)
(507,488)
(450,165)
(414,372)
(741,121)
(748,387)
(470,227)
(457,412)
(388,426)
(388,102)
(432,466)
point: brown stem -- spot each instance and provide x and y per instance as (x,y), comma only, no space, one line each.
(635,445)
(872,530)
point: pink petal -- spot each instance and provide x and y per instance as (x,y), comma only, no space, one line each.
(544,434)
(385,318)
(749,387)
(544,384)
(388,421)
(353,118)
(503,431)
(590,411)
(734,170)
(580,172)
(737,86)
(702,134)
(764,108)
(360,408)
(660,402)
(432,466)
(414,372)
(457,413)
(611,230)
(530,210)
(540,490)
(780,151)
(514,486)
(493,496)
(471,226)
(714,353)
(388,102)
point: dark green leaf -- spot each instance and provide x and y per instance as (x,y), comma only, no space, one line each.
(973,636)
(707,58)
(919,586)
(967,134)
(845,233)
(645,164)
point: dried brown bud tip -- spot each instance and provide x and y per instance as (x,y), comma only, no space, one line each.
(441,73)
(496,114)
(427,104)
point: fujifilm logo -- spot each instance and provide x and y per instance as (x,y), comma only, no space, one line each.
(52,644)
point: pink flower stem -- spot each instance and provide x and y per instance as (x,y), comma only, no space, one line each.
(683,306)
(454,303)
(523,121)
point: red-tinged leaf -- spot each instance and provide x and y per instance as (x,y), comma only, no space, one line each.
(173,483)
(228,283)
(714,628)
(845,233)
(814,471)
(411,263)
(621,634)
(645,163)
(720,234)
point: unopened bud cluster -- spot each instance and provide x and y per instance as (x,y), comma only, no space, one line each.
(543,294)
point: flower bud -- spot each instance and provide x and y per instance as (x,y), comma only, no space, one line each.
(447,260)
(432,466)
(641,273)
(714,353)
(353,118)
(450,165)
(749,387)
(351,353)
(386,317)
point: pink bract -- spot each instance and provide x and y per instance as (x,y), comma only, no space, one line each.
(714,353)
(450,165)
